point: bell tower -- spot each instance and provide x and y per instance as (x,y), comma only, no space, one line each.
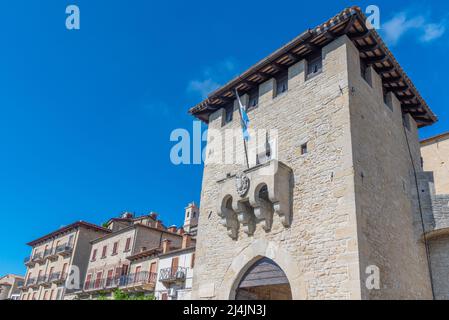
(191,219)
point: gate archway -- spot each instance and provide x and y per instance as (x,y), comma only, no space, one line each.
(264,280)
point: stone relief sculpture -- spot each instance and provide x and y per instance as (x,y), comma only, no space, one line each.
(252,197)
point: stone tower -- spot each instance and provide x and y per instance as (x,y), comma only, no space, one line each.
(191,219)
(329,206)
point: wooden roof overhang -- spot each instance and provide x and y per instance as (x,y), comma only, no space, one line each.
(373,51)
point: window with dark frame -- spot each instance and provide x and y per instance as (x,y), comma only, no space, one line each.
(281,84)
(103,252)
(314,65)
(94,255)
(88,280)
(229,113)
(115,248)
(386,101)
(364,71)
(304,149)
(253,100)
(128,244)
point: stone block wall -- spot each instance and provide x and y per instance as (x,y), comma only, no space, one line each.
(319,251)
(388,218)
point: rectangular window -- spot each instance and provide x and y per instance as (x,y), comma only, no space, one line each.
(229,113)
(314,65)
(103,252)
(98,280)
(51,294)
(64,269)
(137,276)
(153,267)
(364,71)
(118,271)
(128,244)
(94,255)
(253,101)
(109,279)
(304,149)
(125,269)
(88,280)
(281,84)
(115,248)
(387,99)
(51,272)
(174,265)
(46,295)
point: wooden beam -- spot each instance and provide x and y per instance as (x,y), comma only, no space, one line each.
(392,80)
(360,35)
(369,47)
(349,25)
(293,56)
(385,69)
(397,89)
(278,67)
(374,60)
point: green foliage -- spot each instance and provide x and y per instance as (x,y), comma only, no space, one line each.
(120,295)
(105,225)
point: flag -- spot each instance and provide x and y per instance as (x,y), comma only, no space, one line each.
(244,120)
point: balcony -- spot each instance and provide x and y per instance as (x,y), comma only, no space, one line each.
(50,254)
(29,262)
(95,285)
(38,257)
(57,278)
(64,249)
(31,283)
(173,275)
(41,280)
(141,281)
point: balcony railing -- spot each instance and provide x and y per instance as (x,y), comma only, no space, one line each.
(173,274)
(29,261)
(38,257)
(41,279)
(30,282)
(50,254)
(143,279)
(64,249)
(57,277)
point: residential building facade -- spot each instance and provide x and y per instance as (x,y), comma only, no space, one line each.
(333,191)
(115,259)
(55,257)
(175,270)
(10,287)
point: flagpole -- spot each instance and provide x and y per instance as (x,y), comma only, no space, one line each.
(241,121)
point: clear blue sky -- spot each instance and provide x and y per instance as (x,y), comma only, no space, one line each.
(86,115)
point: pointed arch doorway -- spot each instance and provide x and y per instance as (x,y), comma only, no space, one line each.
(264,280)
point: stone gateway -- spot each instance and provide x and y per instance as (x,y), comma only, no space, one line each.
(339,195)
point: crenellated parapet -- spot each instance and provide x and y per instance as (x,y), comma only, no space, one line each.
(253,196)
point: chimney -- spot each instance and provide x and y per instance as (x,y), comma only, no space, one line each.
(166,245)
(180,231)
(153,215)
(186,241)
(172,229)
(158,225)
